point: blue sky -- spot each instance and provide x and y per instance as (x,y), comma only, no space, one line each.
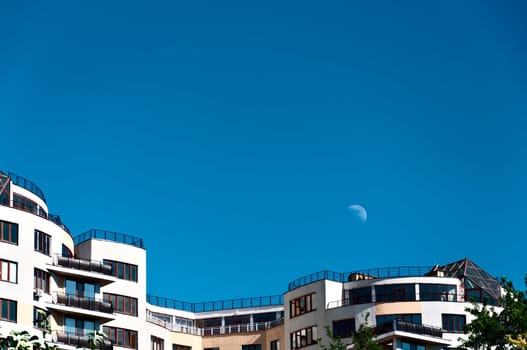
(233,136)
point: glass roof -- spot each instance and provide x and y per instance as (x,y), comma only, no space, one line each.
(474,276)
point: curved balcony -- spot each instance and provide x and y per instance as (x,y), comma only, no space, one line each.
(83,303)
(79,341)
(26,184)
(83,264)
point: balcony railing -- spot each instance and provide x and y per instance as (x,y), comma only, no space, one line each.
(241,328)
(56,219)
(83,264)
(403,326)
(425,297)
(383,272)
(273,300)
(80,341)
(28,185)
(109,236)
(82,303)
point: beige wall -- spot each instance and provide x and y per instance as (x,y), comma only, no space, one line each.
(235,341)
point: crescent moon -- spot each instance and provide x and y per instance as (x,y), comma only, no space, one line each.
(359,211)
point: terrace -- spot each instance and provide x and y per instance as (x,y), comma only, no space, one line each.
(109,236)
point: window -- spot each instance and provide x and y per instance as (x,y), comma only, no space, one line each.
(157,343)
(122,304)
(359,296)
(215,348)
(42,242)
(81,289)
(8,232)
(209,325)
(454,323)
(80,326)
(8,310)
(8,271)
(275,344)
(264,317)
(41,280)
(302,305)
(27,204)
(304,337)
(121,337)
(405,345)
(344,328)
(66,252)
(437,292)
(123,270)
(388,319)
(181,347)
(40,318)
(395,292)
(252,347)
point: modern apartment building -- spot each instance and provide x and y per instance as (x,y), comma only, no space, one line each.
(97,281)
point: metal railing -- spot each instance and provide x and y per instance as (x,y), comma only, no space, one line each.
(109,236)
(229,304)
(83,264)
(28,185)
(383,272)
(82,303)
(423,297)
(403,326)
(57,220)
(80,341)
(230,329)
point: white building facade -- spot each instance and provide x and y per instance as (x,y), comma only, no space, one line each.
(96,281)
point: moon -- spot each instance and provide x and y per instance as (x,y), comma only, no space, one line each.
(359,212)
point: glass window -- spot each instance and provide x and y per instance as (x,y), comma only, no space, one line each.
(8,232)
(8,310)
(302,305)
(8,271)
(275,344)
(344,328)
(42,242)
(405,345)
(252,347)
(359,296)
(181,347)
(304,337)
(157,343)
(454,323)
(388,319)
(122,270)
(121,337)
(41,280)
(437,292)
(395,292)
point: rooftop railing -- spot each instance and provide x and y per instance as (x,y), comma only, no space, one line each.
(57,220)
(109,236)
(273,300)
(383,272)
(28,185)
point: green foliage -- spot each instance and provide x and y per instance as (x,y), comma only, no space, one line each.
(363,337)
(500,330)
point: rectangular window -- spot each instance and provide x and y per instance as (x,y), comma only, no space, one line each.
(304,337)
(302,305)
(395,292)
(79,326)
(405,345)
(8,232)
(122,304)
(359,296)
(8,310)
(264,317)
(40,318)
(215,348)
(8,271)
(437,292)
(41,280)
(344,328)
(181,347)
(21,202)
(454,323)
(121,337)
(388,319)
(275,344)
(42,242)
(252,347)
(123,270)
(157,343)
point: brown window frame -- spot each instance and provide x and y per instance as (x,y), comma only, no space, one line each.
(302,305)
(9,225)
(296,337)
(128,308)
(41,280)
(130,335)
